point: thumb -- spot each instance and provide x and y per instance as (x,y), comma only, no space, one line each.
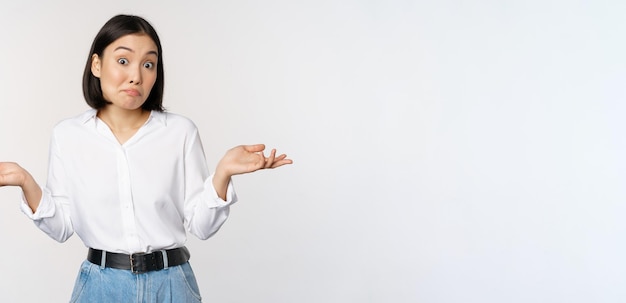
(254,148)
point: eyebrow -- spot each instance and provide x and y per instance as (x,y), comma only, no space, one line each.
(130,50)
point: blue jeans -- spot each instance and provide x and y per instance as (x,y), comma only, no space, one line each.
(173,284)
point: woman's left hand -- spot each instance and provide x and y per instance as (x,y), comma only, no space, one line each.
(244,159)
(249,158)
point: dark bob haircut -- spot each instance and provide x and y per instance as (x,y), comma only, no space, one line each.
(116,27)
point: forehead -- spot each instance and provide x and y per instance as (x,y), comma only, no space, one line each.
(136,43)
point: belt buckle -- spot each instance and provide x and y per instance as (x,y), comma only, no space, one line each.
(133,264)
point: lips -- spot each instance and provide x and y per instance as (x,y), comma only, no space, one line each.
(132,92)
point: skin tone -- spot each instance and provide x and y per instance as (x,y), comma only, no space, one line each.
(128,70)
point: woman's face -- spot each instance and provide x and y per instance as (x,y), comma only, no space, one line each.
(127,70)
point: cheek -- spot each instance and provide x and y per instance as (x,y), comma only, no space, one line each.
(112,76)
(150,80)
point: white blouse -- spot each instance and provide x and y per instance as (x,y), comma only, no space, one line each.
(141,196)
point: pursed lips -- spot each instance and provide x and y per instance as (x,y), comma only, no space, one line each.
(132,92)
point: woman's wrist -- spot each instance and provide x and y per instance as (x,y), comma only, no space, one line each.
(220,181)
(32,192)
(221,177)
(28,182)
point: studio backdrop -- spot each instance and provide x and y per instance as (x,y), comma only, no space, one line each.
(444,151)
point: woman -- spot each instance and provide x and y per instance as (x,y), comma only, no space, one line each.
(131,179)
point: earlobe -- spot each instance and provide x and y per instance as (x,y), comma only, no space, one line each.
(95,65)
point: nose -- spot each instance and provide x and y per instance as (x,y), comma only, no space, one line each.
(135,76)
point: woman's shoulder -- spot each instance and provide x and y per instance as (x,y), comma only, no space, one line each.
(75,121)
(173,120)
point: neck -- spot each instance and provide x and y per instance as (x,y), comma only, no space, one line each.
(122,119)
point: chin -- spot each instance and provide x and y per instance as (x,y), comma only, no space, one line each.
(132,106)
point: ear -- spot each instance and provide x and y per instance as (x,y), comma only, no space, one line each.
(96,64)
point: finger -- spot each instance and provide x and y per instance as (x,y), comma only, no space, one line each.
(277,159)
(283,156)
(254,148)
(269,161)
(281,163)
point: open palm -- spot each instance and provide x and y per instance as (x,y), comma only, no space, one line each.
(249,158)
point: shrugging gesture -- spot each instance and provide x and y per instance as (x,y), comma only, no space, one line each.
(130,178)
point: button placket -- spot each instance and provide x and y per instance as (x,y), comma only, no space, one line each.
(126,201)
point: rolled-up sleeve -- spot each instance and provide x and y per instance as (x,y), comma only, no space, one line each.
(205,211)
(53,213)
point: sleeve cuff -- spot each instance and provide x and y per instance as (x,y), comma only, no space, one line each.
(214,200)
(44,210)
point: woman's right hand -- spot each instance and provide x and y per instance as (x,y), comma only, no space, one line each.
(11,174)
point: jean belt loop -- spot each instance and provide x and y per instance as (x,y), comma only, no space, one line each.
(103,260)
(165,261)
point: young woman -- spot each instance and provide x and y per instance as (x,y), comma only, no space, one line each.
(131,179)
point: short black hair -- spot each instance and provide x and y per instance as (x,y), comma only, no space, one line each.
(116,27)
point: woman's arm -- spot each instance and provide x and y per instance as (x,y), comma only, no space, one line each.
(205,210)
(48,207)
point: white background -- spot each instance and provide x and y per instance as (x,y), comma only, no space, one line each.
(445,151)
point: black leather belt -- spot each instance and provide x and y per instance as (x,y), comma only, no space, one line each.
(140,262)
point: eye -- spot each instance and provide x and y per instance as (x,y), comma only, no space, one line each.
(148,65)
(122,61)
